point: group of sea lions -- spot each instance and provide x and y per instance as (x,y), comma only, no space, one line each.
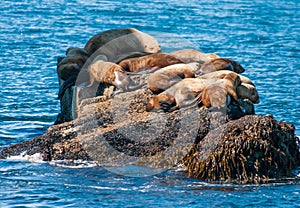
(177,79)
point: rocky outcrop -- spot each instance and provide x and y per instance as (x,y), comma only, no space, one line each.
(252,148)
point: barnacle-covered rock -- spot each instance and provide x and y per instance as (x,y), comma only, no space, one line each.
(251,149)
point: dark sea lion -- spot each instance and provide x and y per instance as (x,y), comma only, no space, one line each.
(191,55)
(121,41)
(150,62)
(72,63)
(110,73)
(165,77)
(76,52)
(221,64)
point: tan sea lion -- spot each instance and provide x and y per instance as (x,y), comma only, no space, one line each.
(191,55)
(246,90)
(150,62)
(215,93)
(110,73)
(119,42)
(221,74)
(181,94)
(168,76)
(221,64)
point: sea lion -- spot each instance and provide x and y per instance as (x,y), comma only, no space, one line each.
(191,55)
(221,74)
(168,76)
(121,41)
(248,91)
(76,52)
(221,64)
(110,73)
(72,63)
(150,62)
(215,94)
(181,94)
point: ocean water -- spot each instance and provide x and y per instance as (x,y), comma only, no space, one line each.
(264,36)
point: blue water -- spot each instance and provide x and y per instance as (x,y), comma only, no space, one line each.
(264,36)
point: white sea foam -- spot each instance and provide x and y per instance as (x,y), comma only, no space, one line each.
(74,163)
(36,158)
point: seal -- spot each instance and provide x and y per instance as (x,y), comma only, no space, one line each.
(215,94)
(110,73)
(248,91)
(221,74)
(221,64)
(76,52)
(72,63)
(165,77)
(182,94)
(150,62)
(191,55)
(119,42)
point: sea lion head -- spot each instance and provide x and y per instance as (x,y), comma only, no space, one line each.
(248,91)
(237,67)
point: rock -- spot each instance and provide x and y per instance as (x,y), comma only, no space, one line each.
(252,148)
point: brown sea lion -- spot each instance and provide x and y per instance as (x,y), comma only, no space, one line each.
(121,41)
(191,55)
(221,64)
(215,94)
(168,76)
(150,62)
(248,91)
(221,74)
(181,94)
(110,73)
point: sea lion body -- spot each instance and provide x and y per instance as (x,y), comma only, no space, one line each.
(150,62)
(191,55)
(221,64)
(181,94)
(119,42)
(216,93)
(247,90)
(165,77)
(110,73)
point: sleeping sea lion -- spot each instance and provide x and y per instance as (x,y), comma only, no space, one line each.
(246,91)
(191,55)
(221,64)
(119,42)
(215,94)
(150,62)
(181,94)
(168,76)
